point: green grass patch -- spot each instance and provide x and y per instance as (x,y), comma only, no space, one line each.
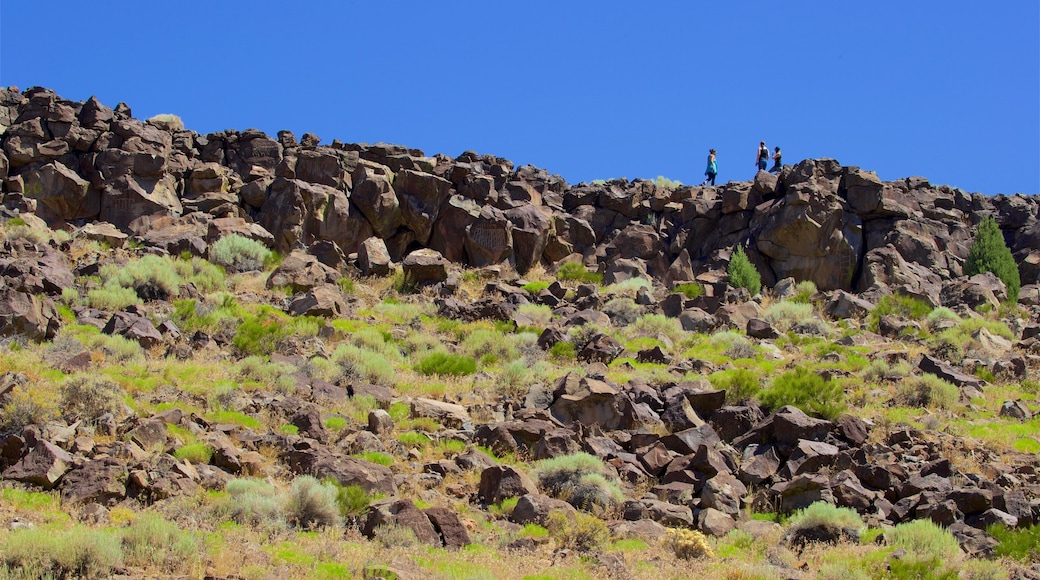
(376,457)
(198,453)
(1021,544)
(808,391)
(690,290)
(336,423)
(573,271)
(235,418)
(413,439)
(446,364)
(535,288)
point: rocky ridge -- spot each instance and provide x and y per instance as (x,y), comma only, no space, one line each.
(351,209)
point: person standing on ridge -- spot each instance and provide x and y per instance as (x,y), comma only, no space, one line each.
(763,156)
(712,169)
(776,161)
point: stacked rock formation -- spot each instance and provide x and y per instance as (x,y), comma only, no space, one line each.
(71,163)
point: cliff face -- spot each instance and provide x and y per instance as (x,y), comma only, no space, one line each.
(70,163)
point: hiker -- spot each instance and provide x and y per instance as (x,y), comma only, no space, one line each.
(763,156)
(712,169)
(776,161)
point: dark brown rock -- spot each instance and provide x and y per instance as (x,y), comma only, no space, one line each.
(534,508)
(43,465)
(102,481)
(501,482)
(446,522)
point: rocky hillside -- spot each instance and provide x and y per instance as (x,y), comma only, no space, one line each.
(244,357)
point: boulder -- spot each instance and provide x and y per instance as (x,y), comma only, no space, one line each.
(425,266)
(301,272)
(26,314)
(500,482)
(102,481)
(404,513)
(133,327)
(714,522)
(452,531)
(534,508)
(309,459)
(449,415)
(65,195)
(43,465)
(325,300)
(946,372)
(373,257)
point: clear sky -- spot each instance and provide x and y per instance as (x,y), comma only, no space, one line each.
(948,90)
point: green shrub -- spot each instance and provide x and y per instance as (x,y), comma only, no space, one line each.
(413,439)
(159,278)
(238,253)
(740,384)
(581,532)
(112,299)
(311,503)
(88,397)
(901,305)
(535,288)
(77,552)
(198,453)
(579,479)
(573,271)
(152,541)
(254,502)
(940,314)
(734,345)
(336,423)
(260,334)
(376,457)
(562,351)
(504,508)
(879,370)
(822,513)
(690,290)
(654,325)
(927,390)
(442,363)
(394,535)
(785,315)
(1017,543)
(352,501)
(622,311)
(923,538)
(803,292)
(989,253)
(540,314)
(742,273)
(806,390)
(488,346)
(364,364)
(255,370)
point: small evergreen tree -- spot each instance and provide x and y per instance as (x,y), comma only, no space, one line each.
(989,253)
(742,273)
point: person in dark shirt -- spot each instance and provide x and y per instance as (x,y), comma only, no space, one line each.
(763,156)
(776,161)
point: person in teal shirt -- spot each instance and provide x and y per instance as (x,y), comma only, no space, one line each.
(712,169)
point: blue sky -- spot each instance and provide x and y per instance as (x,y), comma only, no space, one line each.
(947,90)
